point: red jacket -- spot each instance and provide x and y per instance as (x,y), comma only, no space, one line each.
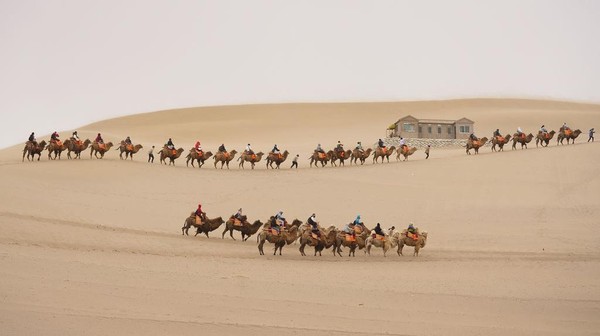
(199,210)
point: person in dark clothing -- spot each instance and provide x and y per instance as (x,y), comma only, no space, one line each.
(473,137)
(312,220)
(199,212)
(381,144)
(591,134)
(32,139)
(128,141)
(54,137)
(427,151)
(222,148)
(99,139)
(170,144)
(295,162)
(275,150)
(497,133)
(378,230)
(319,149)
(151,155)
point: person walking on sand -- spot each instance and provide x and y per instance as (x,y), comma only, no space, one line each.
(591,135)
(151,155)
(427,152)
(295,162)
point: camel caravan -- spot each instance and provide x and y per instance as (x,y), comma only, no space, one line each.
(278,231)
(274,158)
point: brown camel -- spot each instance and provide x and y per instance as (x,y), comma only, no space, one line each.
(475,144)
(326,239)
(194,155)
(129,150)
(171,154)
(522,139)
(252,158)
(383,153)
(340,155)
(405,151)
(32,149)
(278,159)
(100,149)
(224,158)
(568,134)
(55,148)
(358,155)
(206,225)
(358,240)
(320,157)
(385,242)
(500,142)
(419,243)
(76,147)
(544,138)
(245,228)
(284,237)
(188,223)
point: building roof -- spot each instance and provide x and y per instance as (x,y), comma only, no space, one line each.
(433,121)
(436,121)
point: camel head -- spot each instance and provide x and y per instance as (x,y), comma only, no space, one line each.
(296,222)
(207,155)
(42,144)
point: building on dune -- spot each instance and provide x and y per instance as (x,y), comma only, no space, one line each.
(411,127)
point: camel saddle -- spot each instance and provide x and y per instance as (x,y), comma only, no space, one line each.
(412,236)
(358,229)
(546,136)
(173,151)
(237,222)
(198,220)
(101,146)
(279,156)
(199,152)
(380,237)
(274,232)
(476,143)
(568,132)
(350,238)
(500,138)
(253,156)
(226,155)
(342,153)
(58,142)
(129,147)
(322,155)
(384,150)
(314,235)
(522,136)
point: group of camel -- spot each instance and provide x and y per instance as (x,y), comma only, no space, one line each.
(76,147)
(361,156)
(297,232)
(541,139)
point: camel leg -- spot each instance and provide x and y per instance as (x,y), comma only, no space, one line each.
(301,249)
(400,246)
(231,234)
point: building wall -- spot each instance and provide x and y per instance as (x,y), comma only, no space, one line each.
(411,128)
(436,131)
(463,130)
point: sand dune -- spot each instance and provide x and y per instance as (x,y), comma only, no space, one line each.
(95,246)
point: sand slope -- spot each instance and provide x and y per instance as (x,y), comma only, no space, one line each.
(95,247)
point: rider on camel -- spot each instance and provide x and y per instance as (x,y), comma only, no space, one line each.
(312,220)
(543,129)
(222,149)
(128,141)
(378,230)
(170,144)
(339,147)
(54,137)
(278,221)
(497,133)
(319,149)
(275,150)
(99,139)
(32,139)
(249,150)
(238,215)
(472,137)
(197,147)
(359,147)
(75,137)
(200,213)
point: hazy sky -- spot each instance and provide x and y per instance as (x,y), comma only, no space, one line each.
(67,63)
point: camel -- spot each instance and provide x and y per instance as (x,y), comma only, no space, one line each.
(340,155)
(542,138)
(209,225)
(500,142)
(418,244)
(284,237)
(55,147)
(383,153)
(326,240)
(246,229)
(224,158)
(358,155)
(567,135)
(171,154)
(193,155)
(386,243)
(522,139)
(100,148)
(405,151)
(278,159)
(129,150)
(76,147)
(252,158)
(206,226)
(323,158)
(475,145)
(31,150)
(343,239)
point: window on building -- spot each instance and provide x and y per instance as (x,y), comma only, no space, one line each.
(464,129)
(439,129)
(409,127)
(420,129)
(429,129)
(449,129)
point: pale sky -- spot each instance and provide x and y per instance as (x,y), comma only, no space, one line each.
(67,63)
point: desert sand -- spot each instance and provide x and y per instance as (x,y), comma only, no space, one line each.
(94,247)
